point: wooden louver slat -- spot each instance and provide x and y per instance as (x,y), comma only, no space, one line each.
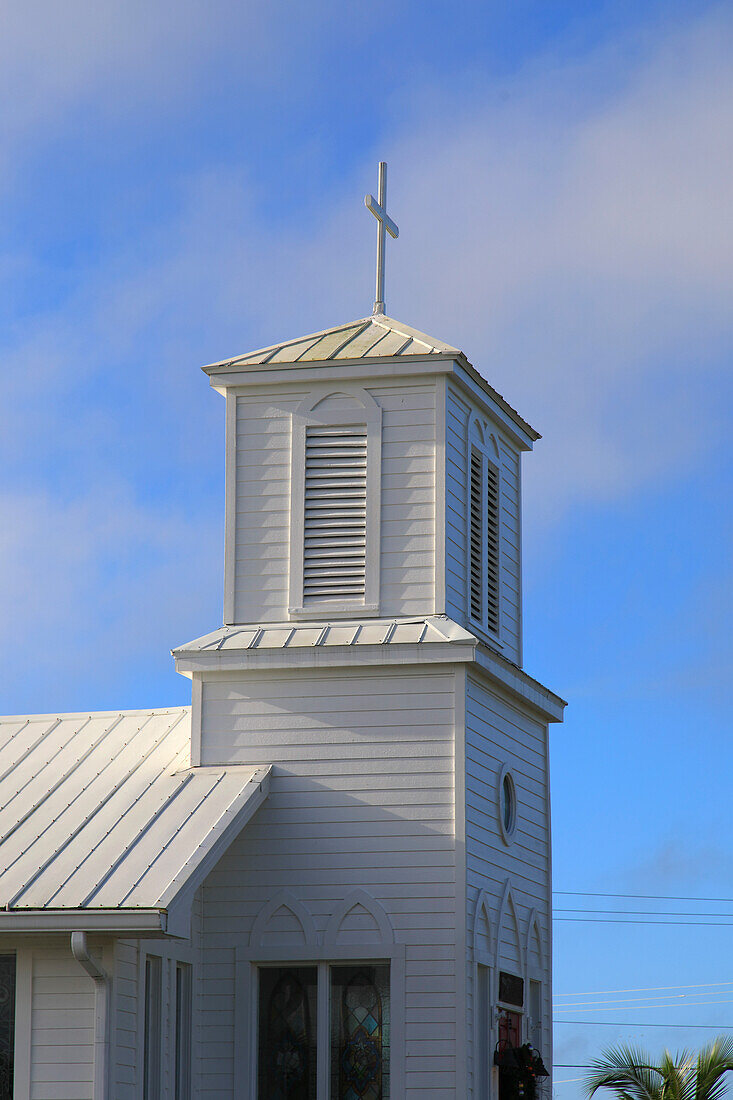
(334,548)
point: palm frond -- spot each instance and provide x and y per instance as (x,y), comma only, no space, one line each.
(678,1072)
(714,1061)
(629,1071)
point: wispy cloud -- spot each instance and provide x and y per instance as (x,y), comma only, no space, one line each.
(568,227)
(97,583)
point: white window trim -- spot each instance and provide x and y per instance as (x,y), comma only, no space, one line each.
(246,1004)
(483,1022)
(368,414)
(536,973)
(182,1029)
(169,953)
(507,835)
(158,1030)
(484,441)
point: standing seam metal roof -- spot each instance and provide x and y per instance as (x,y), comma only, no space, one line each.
(436,628)
(376,337)
(368,338)
(103,811)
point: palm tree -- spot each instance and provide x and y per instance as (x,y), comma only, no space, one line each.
(630,1072)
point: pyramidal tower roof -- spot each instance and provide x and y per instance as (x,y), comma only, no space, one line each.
(369,338)
(378,338)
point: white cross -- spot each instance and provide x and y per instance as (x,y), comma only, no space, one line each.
(384,221)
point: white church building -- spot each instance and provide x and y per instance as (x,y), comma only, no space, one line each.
(329,878)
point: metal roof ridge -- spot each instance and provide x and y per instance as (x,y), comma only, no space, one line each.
(59,716)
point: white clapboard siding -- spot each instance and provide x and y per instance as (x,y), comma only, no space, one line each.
(62,1026)
(361,797)
(499,734)
(262,522)
(458,549)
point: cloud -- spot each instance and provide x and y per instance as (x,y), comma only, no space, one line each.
(568,226)
(678,863)
(91,585)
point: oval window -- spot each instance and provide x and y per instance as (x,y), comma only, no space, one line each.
(507,804)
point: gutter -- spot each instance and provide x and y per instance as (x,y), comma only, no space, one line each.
(102,989)
(118,922)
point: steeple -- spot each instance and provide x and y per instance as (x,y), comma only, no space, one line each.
(371,473)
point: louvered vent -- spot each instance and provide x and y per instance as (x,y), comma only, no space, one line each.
(492,548)
(334,552)
(476,520)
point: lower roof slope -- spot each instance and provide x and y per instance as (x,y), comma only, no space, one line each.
(103,812)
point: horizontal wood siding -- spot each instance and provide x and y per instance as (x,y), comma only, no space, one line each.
(62,1040)
(458,413)
(262,531)
(407,578)
(262,527)
(500,734)
(361,797)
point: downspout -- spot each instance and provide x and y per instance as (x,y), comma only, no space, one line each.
(101,1012)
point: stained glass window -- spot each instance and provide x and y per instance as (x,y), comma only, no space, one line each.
(7,1025)
(286,1063)
(360,1032)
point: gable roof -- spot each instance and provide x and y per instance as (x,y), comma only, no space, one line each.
(103,816)
(368,338)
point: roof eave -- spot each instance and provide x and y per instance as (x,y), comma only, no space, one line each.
(232,373)
(127,922)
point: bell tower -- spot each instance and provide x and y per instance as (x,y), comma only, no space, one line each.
(371,653)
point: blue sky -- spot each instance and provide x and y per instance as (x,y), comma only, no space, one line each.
(181,182)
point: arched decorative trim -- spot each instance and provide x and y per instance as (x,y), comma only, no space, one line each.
(479,431)
(366,409)
(533,927)
(508,908)
(476,430)
(283,900)
(372,906)
(482,907)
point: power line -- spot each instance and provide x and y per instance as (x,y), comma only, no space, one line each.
(630,1008)
(626,1023)
(678,997)
(644,913)
(671,923)
(643,989)
(643,897)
